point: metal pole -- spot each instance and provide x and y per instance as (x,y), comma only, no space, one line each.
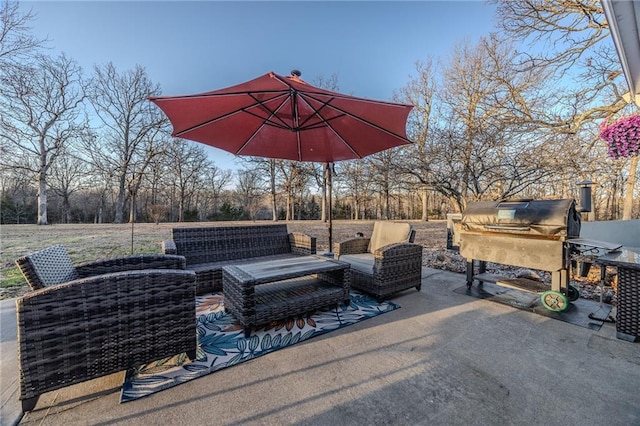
(133,217)
(329,213)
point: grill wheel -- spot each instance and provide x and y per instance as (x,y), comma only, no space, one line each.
(573,293)
(554,301)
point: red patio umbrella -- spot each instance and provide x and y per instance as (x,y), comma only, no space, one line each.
(284,117)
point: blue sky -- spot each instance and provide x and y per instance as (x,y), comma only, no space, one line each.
(190,47)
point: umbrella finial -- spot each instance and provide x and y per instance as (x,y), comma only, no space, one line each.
(296,73)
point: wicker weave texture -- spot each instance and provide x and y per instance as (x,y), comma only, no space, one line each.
(208,249)
(396,267)
(254,305)
(91,327)
(302,244)
(628,309)
(215,244)
(131,263)
(104,266)
(352,246)
(359,245)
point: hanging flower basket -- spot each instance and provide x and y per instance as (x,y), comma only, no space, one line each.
(622,136)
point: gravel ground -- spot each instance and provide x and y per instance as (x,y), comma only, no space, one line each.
(93,241)
(588,286)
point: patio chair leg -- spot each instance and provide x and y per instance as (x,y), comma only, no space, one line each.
(192,355)
(247,332)
(29,404)
(419,286)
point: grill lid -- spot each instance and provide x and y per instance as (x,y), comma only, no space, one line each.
(525,216)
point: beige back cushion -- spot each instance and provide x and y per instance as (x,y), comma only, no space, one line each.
(385,233)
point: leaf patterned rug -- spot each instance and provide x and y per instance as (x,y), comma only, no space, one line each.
(221,341)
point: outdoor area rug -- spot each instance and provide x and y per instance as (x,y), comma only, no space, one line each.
(221,341)
(577,313)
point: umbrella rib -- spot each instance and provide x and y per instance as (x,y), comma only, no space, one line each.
(273,113)
(317,113)
(243,109)
(296,120)
(310,93)
(266,122)
(295,106)
(328,125)
(215,95)
(367,122)
(326,121)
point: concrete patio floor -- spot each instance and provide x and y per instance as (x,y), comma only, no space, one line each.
(444,358)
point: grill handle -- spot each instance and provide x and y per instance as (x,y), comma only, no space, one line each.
(520,203)
(508,228)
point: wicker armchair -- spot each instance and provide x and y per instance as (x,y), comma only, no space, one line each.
(98,318)
(385,263)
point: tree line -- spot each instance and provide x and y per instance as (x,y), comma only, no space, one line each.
(514,114)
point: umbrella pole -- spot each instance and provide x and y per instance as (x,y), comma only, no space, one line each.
(329,208)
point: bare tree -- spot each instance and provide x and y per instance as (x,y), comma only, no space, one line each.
(354,176)
(155,185)
(68,176)
(17,44)
(485,107)
(571,38)
(419,92)
(272,185)
(566,28)
(385,178)
(18,52)
(216,181)
(301,186)
(188,161)
(250,189)
(40,116)
(17,201)
(293,175)
(131,127)
(268,168)
(319,174)
(329,83)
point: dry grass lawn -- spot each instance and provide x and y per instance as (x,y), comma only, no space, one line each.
(87,242)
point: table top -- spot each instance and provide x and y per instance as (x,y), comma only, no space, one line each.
(281,269)
(594,243)
(622,258)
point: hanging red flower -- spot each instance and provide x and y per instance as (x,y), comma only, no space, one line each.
(622,136)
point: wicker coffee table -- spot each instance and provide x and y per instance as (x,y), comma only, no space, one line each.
(261,292)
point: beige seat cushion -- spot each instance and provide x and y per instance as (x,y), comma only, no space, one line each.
(362,262)
(385,233)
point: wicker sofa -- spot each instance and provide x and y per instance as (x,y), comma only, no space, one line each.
(208,249)
(94,319)
(385,263)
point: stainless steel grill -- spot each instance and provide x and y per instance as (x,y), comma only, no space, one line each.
(526,233)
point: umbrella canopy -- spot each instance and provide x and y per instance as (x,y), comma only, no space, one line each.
(283,117)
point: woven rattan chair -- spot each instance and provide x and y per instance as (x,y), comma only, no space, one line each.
(98,318)
(385,263)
